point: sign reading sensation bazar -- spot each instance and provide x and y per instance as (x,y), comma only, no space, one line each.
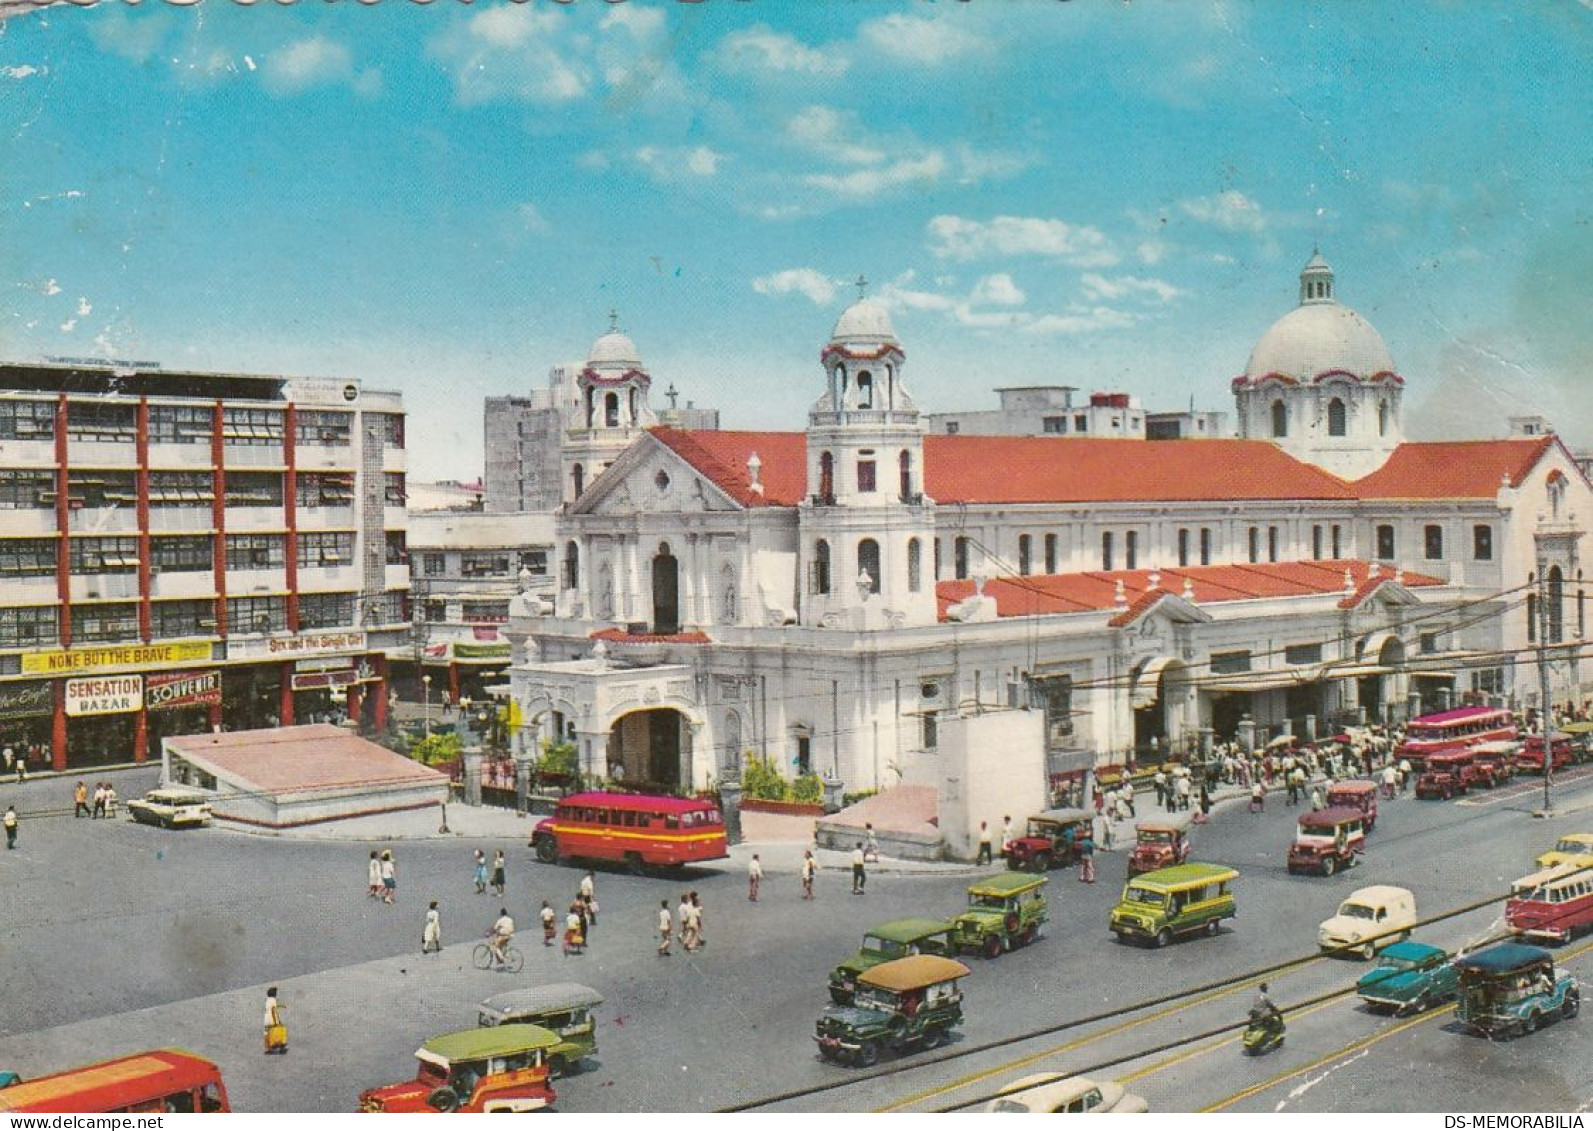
(105,695)
(182,689)
(290,647)
(63,661)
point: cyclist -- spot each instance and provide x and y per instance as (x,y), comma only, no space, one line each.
(498,938)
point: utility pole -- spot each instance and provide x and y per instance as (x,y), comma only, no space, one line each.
(1545,713)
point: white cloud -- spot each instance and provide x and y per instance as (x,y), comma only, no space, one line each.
(1151,252)
(760,50)
(997,290)
(919,40)
(643,23)
(674,164)
(1098,288)
(954,237)
(306,63)
(512,52)
(69,325)
(84,308)
(51,287)
(703,161)
(1081,320)
(1231,211)
(530,218)
(863,183)
(18,72)
(817,288)
(133,40)
(829,133)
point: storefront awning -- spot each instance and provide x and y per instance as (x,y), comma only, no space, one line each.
(1146,688)
(1450,676)
(1261,681)
(1356,671)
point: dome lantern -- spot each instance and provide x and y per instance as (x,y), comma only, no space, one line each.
(1316,280)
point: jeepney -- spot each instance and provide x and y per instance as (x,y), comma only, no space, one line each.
(906,1003)
(1447,774)
(1181,900)
(900,938)
(563,1008)
(1004,912)
(1513,988)
(1051,840)
(1494,762)
(1159,843)
(501,1069)
(1357,794)
(1327,840)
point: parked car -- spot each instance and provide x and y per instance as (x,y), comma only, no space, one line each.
(499,1069)
(900,938)
(1358,794)
(1369,920)
(906,1003)
(1513,988)
(1572,848)
(1048,1092)
(1004,912)
(1159,843)
(1180,900)
(172,807)
(1409,976)
(1051,840)
(563,1008)
(1327,840)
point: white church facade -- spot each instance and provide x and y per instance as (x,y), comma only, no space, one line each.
(830,597)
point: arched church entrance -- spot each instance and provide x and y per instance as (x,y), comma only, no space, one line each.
(650,748)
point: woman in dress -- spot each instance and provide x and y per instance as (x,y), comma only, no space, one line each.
(499,867)
(481,872)
(373,875)
(276,1031)
(389,876)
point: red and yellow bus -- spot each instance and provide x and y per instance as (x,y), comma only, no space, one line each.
(1454,730)
(640,830)
(164,1080)
(1554,904)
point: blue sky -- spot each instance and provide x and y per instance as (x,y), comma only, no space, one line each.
(448,199)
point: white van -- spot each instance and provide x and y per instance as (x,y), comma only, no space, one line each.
(1370,919)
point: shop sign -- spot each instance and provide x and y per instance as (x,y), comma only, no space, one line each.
(182,689)
(311,681)
(104,695)
(26,700)
(465,650)
(64,661)
(292,647)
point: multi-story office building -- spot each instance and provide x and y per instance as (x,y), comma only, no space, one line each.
(182,551)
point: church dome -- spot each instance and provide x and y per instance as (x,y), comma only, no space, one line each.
(615,349)
(1319,336)
(864,323)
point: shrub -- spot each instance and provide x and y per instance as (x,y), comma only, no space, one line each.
(808,789)
(437,748)
(559,758)
(760,781)
(854,798)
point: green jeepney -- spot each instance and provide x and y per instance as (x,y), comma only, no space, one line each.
(1174,901)
(900,938)
(907,1003)
(1004,912)
(564,1008)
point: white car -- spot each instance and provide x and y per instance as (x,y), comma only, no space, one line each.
(1071,1094)
(172,808)
(1369,920)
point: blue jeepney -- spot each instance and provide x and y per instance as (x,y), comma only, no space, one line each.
(1512,988)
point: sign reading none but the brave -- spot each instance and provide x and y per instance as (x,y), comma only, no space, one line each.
(105,695)
(181,689)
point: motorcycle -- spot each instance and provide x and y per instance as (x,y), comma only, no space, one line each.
(1264,1033)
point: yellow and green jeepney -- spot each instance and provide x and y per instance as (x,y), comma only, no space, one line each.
(1004,912)
(1180,900)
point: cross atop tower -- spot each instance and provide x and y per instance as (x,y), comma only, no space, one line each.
(672,393)
(862,288)
(613,321)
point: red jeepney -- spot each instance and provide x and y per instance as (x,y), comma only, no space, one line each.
(1530,760)
(1447,774)
(1495,762)
(1327,841)
(1159,844)
(1454,730)
(1358,794)
(163,1080)
(640,830)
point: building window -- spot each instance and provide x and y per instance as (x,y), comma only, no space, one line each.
(929,729)
(1050,553)
(389,428)
(326,610)
(1255,544)
(179,488)
(251,427)
(936,544)
(1337,547)
(330,428)
(577,481)
(27,420)
(1482,543)
(905,469)
(865,389)
(1382,418)
(434,564)
(868,563)
(484,563)
(484,612)
(94,489)
(104,423)
(1081,422)
(951,427)
(959,557)
(820,581)
(398,550)
(1183,547)
(1532,618)
(1556,606)
(1023,554)
(535,562)
(1272,543)
(1131,550)
(1316,543)
(169,619)
(27,557)
(611,410)
(826,479)
(192,554)
(103,555)
(394,493)
(28,627)
(321,489)
(1205,545)
(181,424)
(257,614)
(1106,550)
(1298,654)
(26,490)
(865,476)
(1280,419)
(255,551)
(1433,541)
(915,568)
(326,549)
(1056,425)
(1385,542)
(1230,663)
(389,608)
(104,622)
(1336,417)
(572,565)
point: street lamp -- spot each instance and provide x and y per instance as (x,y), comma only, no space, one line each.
(426,684)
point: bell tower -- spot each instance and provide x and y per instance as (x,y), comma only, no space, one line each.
(611,409)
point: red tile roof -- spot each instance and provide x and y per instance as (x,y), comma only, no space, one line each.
(303,758)
(1459,469)
(1095,591)
(722,457)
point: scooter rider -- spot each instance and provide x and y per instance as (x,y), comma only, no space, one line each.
(1264,1013)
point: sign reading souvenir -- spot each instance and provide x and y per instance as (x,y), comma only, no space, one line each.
(293,647)
(311,681)
(64,661)
(26,701)
(182,689)
(105,695)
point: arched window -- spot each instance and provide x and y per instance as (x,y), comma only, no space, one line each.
(890,385)
(826,478)
(1556,494)
(959,557)
(578,480)
(820,580)
(1050,553)
(611,410)
(634,416)
(1556,606)
(1255,544)
(1272,543)
(729,609)
(915,568)
(1131,550)
(865,389)
(937,559)
(1183,548)
(1382,418)
(572,565)
(1280,419)
(591,406)
(905,468)
(1023,554)
(868,563)
(1205,545)
(1337,422)
(1106,550)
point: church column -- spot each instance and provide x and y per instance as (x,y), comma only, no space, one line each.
(636,604)
(691,584)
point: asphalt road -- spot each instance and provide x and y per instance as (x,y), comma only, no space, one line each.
(123,937)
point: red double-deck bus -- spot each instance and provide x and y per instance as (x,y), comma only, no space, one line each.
(1553,904)
(1454,730)
(159,1081)
(640,830)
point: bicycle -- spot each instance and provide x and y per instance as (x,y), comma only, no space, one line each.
(484,958)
